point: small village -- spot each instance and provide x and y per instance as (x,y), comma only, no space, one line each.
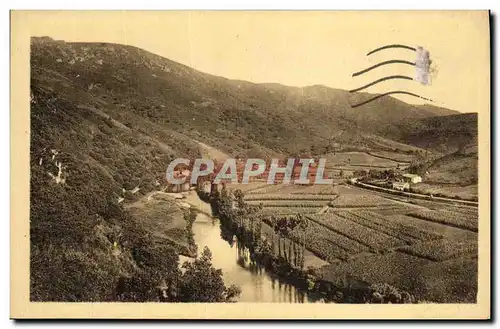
(393,179)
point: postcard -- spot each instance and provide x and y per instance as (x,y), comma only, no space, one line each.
(250,164)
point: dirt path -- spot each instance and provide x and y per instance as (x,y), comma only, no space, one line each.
(387,158)
(163,217)
(415,195)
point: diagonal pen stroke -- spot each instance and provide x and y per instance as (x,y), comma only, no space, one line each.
(390,46)
(393,61)
(391,93)
(380,80)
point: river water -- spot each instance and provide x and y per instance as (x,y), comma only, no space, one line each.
(256,284)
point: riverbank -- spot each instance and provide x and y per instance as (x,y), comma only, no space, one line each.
(166,217)
(267,267)
(257,283)
(282,253)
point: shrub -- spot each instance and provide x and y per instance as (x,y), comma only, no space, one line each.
(383,293)
(203,283)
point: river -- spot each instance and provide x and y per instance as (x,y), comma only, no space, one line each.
(256,284)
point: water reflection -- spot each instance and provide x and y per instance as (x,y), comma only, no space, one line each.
(235,260)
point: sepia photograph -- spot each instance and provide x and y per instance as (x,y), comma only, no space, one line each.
(235,157)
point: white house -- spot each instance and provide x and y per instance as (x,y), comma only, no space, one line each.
(400,186)
(412,178)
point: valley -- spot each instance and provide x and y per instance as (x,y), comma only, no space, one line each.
(107,119)
(369,238)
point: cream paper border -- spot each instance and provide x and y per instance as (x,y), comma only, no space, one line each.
(21,307)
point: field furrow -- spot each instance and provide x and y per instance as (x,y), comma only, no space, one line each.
(289,203)
(326,244)
(377,226)
(441,250)
(361,200)
(295,197)
(403,229)
(460,220)
(371,238)
(277,211)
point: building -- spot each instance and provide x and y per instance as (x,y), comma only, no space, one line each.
(183,187)
(178,188)
(412,178)
(401,186)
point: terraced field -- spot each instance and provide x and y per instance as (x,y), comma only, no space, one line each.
(329,245)
(448,217)
(394,156)
(394,268)
(285,211)
(317,190)
(373,239)
(469,211)
(291,189)
(441,250)
(289,203)
(448,232)
(358,158)
(365,236)
(393,209)
(294,197)
(450,281)
(406,232)
(251,187)
(363,200)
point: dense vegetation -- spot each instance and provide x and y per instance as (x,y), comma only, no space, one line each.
(178,105)
(465,221)
(376,240)
(84,245)
(282,249)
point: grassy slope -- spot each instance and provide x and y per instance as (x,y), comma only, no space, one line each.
(82,241)
(153,94)
(419,276)
(447,134)
(454,169)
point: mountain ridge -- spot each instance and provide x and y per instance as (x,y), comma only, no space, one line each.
(151,94)
(107,119)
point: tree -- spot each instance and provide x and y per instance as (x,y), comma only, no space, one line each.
(303,225)
(274,224)
(375,174)
(201,282)
(383,293)
(418,167)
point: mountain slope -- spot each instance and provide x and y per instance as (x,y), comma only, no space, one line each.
(447,134)
(456,168)
(134,86)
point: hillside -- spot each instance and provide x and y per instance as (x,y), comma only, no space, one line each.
(447,134)
(106,119)
(454,168)
(178,103)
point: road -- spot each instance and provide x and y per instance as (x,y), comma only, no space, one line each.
(413,195)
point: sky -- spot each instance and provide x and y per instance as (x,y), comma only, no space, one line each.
(301,48)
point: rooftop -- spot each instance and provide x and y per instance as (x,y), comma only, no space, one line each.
(410,175)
